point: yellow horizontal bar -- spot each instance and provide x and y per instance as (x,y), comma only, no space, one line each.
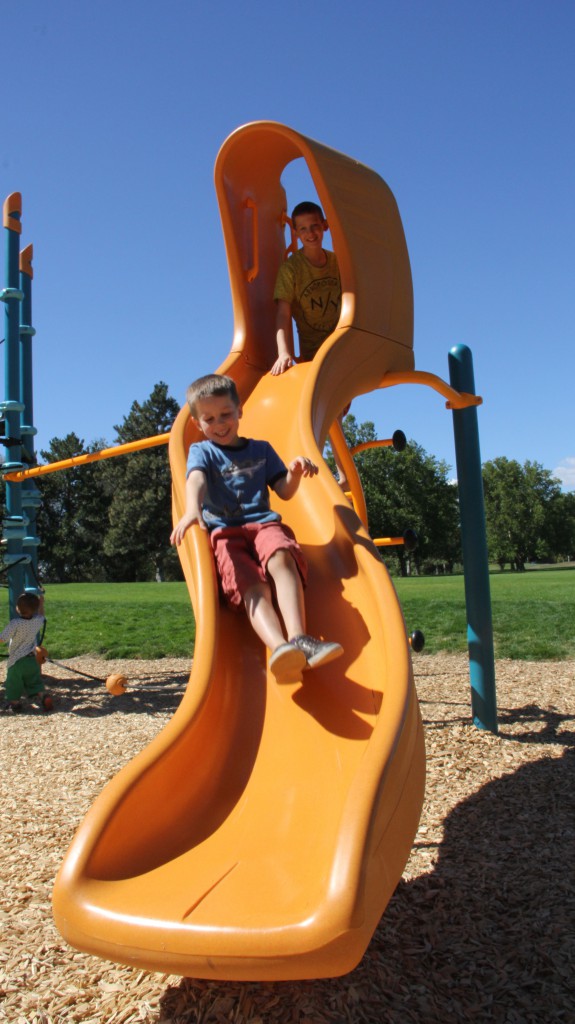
(81,460)
(388,542)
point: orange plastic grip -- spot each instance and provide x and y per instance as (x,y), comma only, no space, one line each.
(252,272)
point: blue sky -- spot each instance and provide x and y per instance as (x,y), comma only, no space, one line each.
(113,114)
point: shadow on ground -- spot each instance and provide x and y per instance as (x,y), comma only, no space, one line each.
(159,694)
(487,935)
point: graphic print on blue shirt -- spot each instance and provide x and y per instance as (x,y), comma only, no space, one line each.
(237,481)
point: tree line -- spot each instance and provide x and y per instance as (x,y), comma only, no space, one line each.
(528,518)
(110,521)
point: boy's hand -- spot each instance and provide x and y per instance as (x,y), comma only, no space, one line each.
(287,485)
(281,364)
(181,528)
(302,467)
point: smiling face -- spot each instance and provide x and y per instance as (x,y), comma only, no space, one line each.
(218,418)
(310,229)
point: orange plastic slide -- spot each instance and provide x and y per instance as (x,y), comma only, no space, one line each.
(262,833)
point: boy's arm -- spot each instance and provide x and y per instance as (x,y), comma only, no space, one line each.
(287,485)
(7,632)
(284,338)
(195,491)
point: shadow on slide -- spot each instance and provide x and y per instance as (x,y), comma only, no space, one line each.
(262,833)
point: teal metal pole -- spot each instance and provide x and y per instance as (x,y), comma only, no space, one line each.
(14,524)
(31,498)
(474,544)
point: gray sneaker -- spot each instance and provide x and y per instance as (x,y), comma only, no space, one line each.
(317,652)
(287,663)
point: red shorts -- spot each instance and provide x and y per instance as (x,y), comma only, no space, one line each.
(242,554)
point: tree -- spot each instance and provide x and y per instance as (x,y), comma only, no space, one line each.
(408,490)
(523,512)
(560,527)
(140,520)
(73,518)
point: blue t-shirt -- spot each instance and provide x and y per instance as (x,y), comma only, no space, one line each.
(237,481)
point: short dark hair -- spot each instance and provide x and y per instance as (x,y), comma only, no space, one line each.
(306,207)
(27,605)
(213,385)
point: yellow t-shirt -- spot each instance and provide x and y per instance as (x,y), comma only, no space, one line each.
(314,294)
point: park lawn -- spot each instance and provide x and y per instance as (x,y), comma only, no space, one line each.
(533,613)
(117,620)
(533,616)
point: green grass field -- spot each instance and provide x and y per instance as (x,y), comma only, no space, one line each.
(533,616)
(117,620)
(533,613)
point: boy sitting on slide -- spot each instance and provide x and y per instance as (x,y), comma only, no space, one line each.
(227,494)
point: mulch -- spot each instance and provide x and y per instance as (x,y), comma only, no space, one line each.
(481,927)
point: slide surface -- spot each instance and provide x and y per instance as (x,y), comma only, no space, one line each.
(262,833)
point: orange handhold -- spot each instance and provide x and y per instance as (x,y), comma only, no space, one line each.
(116,684)
(26,257)
(41,654)
(12,205)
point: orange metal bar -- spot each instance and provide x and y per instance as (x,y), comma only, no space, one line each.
(81,460)
(371,444)
(455,399)
(339,446)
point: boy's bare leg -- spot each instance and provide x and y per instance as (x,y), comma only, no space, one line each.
(286,660)
(289,591)
(290,598)
(263,616)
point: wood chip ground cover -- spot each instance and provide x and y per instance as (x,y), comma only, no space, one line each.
(481,927)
